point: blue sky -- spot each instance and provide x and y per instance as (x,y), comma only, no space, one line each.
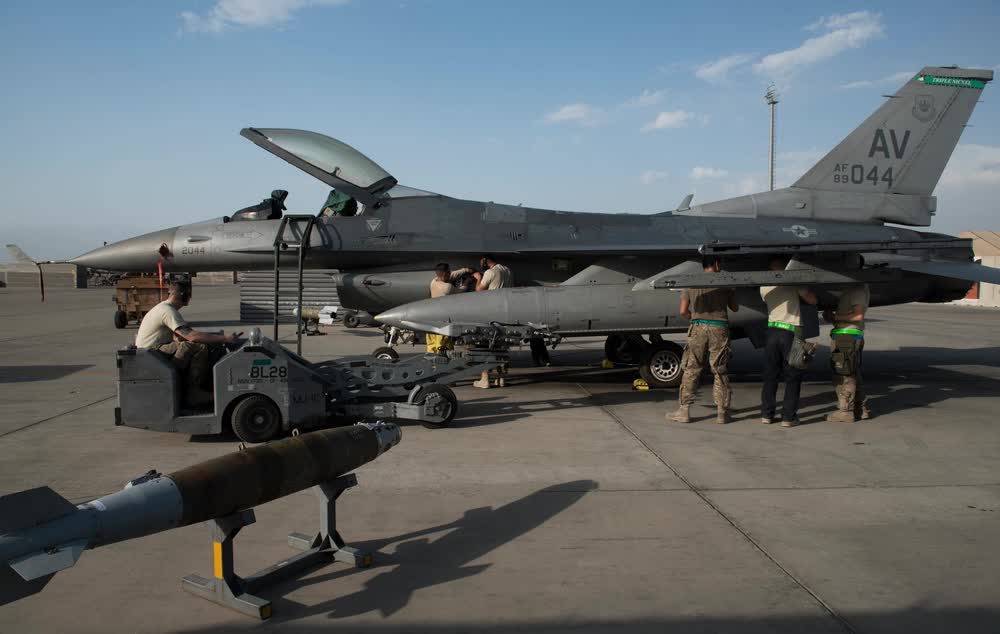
(124,117)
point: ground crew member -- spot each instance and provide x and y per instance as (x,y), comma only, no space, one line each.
(495,275)
(165,330)
(848,341)
(784,324)
(339,204)
(707,339)
(444,284)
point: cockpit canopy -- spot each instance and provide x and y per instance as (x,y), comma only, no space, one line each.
(331,161)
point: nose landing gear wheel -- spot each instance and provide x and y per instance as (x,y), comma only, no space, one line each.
(351,321)
(256,419)
(661,365)
(440,399)
(386,353)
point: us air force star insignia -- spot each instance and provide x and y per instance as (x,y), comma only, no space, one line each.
(923,108)
(800,231)
(373,223)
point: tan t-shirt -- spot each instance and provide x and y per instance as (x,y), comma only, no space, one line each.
(709,303)
(158,326)
(497,276)
(857,295)
(783,304)
(440,288)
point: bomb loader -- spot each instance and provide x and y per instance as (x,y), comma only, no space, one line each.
(264,390)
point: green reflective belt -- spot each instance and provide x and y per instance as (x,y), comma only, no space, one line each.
(710,322)
(847,331)
(782,325)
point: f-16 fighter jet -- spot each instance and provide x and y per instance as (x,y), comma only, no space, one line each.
(610,274)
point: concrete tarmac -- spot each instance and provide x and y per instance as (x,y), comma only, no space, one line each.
(563,502)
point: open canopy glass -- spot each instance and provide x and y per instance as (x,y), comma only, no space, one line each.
(331,161)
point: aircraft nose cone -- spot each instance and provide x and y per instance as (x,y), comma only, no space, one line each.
(393,317)
(139,254)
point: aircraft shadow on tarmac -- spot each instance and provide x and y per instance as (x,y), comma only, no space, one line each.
(419,562)
(31,373)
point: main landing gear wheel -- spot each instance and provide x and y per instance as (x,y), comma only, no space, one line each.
(438,398)
(623,349)
(660,365)
(386,353)
(256,419)
(121,319)
(351,321)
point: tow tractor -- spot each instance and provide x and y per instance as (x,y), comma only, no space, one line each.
(263,390)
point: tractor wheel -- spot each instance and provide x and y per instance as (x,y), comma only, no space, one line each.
(121,319)
(256,419)
(441,399)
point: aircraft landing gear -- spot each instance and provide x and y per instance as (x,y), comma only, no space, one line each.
(661,364)
(623,349)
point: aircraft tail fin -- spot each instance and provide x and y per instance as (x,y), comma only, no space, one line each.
(26,575)
(904,146)
(18,255)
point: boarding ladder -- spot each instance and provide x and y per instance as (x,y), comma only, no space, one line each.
(301,226)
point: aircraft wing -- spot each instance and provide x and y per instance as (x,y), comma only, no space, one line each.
(970,271)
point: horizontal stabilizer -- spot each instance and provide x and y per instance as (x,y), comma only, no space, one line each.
(969,271)
(13,587)
(25,509)
(49,561)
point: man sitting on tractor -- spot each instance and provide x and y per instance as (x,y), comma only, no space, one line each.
(165,330)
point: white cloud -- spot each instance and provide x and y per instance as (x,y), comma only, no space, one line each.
(651,176)
(226,14)
(671,119)
(579,113)
(747,184)
(646,98)
(972,164)
(699,172)
(894,78)
(718,70)
(842,32)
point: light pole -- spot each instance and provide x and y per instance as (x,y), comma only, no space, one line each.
(771,96)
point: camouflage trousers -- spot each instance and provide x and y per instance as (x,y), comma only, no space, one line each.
(707,344)
(191,359)
(850,389)
(438,344)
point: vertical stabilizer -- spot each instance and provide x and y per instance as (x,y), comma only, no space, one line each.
(18,255)
(904,146)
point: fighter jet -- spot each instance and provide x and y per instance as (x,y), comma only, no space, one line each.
(606,273)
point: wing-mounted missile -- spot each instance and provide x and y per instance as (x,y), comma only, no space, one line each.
(42,533)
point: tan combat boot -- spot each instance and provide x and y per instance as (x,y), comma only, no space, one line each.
(722,417)
(862,411)
(483,382)
(682,415)
(842,416)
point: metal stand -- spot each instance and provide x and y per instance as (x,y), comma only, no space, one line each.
(239,593)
